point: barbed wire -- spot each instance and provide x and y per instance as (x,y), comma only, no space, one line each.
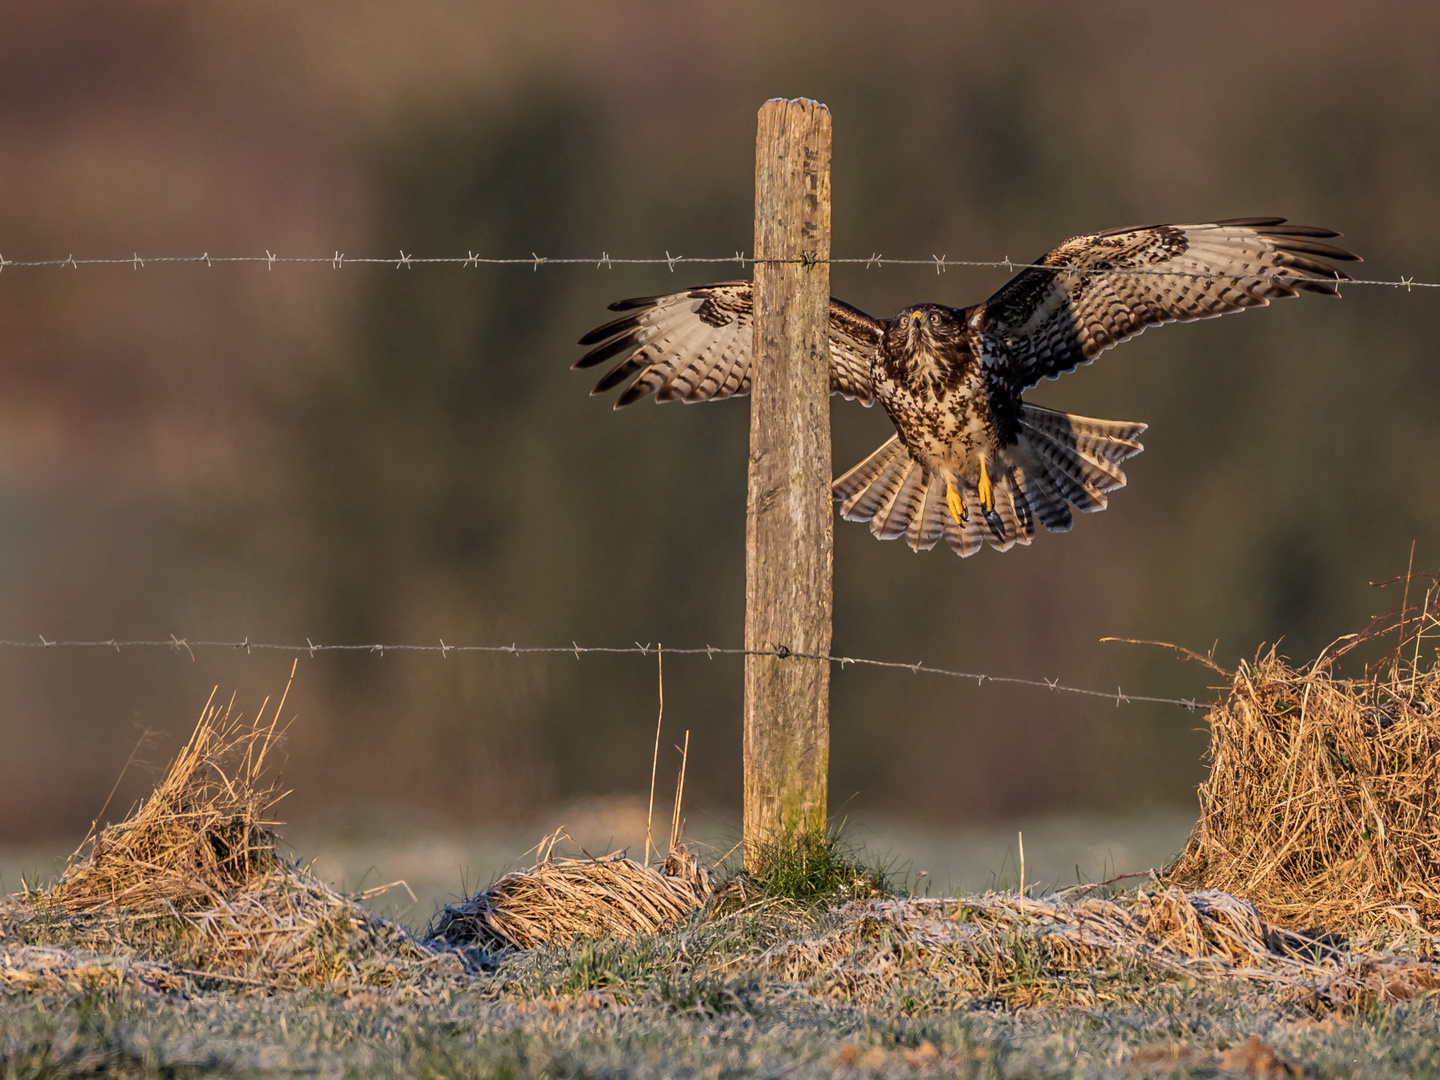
(606,262)
(179,644)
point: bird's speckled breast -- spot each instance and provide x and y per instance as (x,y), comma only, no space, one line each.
(939,407)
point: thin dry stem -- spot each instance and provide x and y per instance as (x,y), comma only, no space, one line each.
(655,760)
(676,825)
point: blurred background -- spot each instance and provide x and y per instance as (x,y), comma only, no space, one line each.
(404,456)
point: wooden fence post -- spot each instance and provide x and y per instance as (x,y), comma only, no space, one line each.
(789,523)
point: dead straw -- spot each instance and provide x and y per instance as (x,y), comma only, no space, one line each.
(561,899)
(1321,803)
(192,878)
(199,836)
(1020,951)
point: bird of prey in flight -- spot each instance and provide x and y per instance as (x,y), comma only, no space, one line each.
(971,460)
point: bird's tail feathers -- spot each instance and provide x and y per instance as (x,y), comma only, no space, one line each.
(863,489)
(1058,459)
(1072,459)
(898,496)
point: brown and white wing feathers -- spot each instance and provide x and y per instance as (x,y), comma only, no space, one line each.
(696,345)
(1095,291)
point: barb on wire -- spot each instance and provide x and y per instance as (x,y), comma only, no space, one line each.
(782,652)
(606,261)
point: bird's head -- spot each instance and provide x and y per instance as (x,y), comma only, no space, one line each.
(925,326)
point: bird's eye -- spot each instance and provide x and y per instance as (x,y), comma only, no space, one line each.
(934,318)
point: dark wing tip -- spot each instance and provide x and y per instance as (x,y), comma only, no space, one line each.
(1257,223)
(1299,240)
(1300,252)
(614,328)
(608,349)
(1296,245)
(1295,236)
(616,375)
(1323,286)
(633,393)
(1278,227)
(1281,228)
(1325,251)
(635,302)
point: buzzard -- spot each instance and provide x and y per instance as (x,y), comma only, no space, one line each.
(970,459)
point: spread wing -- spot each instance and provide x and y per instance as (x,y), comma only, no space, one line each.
(1096,291)
(695,346)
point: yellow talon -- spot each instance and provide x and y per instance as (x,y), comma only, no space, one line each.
(955,502)
(985,490)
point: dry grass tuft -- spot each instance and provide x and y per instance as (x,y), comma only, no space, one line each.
(1019,952)
(191,879)
(561,899)
(199,838)
(1323,800)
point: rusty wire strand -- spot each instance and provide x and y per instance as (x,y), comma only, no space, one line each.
(180,644)
(606,261)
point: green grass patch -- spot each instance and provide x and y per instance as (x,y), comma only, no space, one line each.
(806,868)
